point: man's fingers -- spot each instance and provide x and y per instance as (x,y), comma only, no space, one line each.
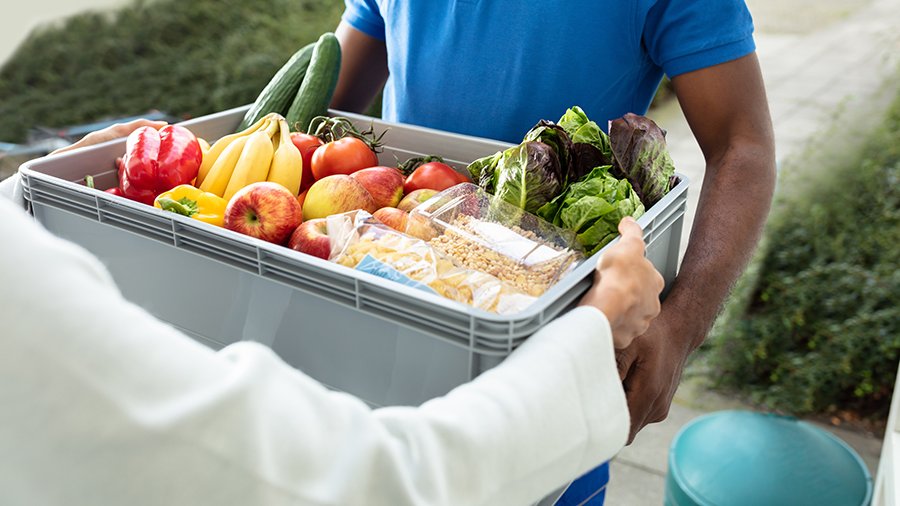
(624,362)
(659,415)
(636,397)
(635,416)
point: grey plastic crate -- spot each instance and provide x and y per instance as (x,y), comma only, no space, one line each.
(384,342)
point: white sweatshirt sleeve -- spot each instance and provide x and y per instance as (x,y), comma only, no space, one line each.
(103,404)
(11,189)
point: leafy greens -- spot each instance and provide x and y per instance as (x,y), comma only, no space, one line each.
(593,207)
(573,175)
(639,147)
(527,176)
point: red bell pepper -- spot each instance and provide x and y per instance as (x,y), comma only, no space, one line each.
(158,160)
(120,171)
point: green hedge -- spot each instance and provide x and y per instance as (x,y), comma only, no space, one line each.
(814,326)
(186,58)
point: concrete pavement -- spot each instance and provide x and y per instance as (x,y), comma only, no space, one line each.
(823,62)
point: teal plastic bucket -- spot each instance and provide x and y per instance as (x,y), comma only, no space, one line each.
(741,458)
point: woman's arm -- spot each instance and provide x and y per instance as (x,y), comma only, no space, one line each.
(11,187)
(111,133)
(118,407)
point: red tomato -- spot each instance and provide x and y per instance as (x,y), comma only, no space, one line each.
(307,144)
(433,176)
(343,156)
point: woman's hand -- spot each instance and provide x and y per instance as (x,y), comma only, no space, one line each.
(110,133)
(626,286)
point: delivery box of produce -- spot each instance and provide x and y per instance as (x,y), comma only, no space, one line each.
(353,329)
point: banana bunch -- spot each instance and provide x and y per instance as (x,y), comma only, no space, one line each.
(262,152)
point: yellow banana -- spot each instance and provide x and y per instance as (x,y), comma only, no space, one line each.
(212,154)
(287,162)
(274,125)
(253,166)
(221,172)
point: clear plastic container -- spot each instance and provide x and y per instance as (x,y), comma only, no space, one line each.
(486,234)
(367,245)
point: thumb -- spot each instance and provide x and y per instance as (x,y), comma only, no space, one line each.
(628,227)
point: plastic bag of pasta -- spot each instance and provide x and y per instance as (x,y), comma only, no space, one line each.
(370,246)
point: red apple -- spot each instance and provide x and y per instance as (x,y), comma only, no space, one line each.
(334,195)
(385,184)
(415,198)
(267,211)
(311,237)
(392,217)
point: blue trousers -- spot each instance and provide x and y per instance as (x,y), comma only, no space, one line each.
(589,490)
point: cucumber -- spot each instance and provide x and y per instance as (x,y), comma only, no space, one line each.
(318,85)
(278,95)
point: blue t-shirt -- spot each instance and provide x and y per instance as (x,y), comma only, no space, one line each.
(493,68)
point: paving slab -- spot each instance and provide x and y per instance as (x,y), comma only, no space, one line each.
(632,486)
(650,448)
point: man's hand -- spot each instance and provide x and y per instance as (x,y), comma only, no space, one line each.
(626,286)
(111,133)
(650,370)
(725,105)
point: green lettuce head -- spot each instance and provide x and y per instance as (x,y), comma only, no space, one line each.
(639,147)
(593,207)
(554,136)
(590,146)
(527,176)
(483,169)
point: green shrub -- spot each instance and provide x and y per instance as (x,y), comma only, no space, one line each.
(184,58)
(815,325)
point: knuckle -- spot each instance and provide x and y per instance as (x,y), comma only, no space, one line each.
(660,415)
(635,242)
(644,326)
(610,259)
(631,227)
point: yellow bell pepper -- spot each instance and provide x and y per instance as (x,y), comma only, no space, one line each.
(190,201)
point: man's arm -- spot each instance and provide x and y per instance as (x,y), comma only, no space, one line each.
(363,69)
(726,108)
